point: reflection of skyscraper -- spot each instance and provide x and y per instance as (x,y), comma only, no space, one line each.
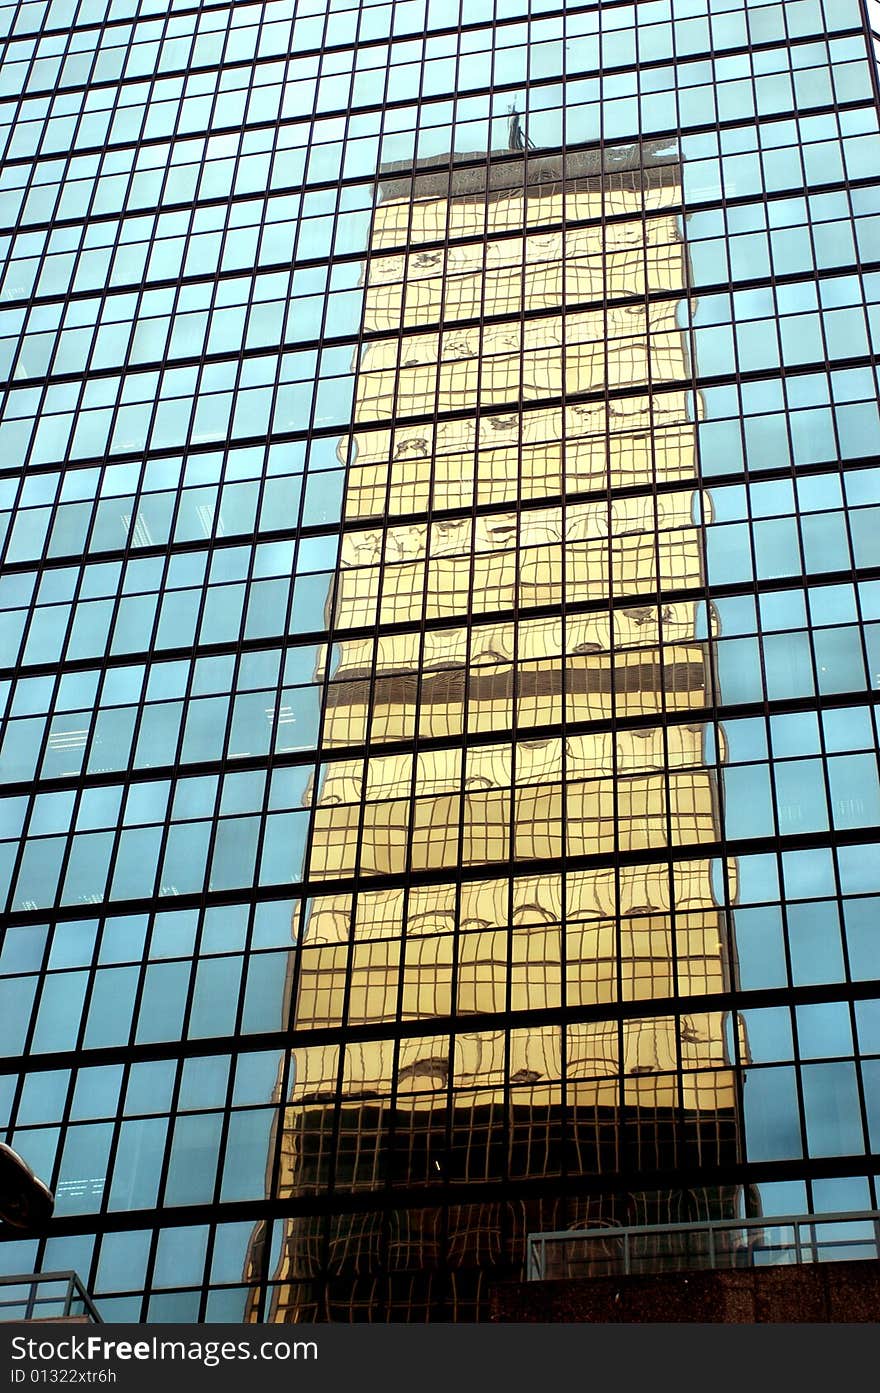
(509,872)
(191,221)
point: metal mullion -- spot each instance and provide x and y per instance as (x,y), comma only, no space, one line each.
(768,706)
(124,776)
(824,757)
(819,698)
(449,1035)
(330,1189)
(667,858)
(103,154)
(471,412)
(195,957)
(501,317)
(324,53)
(10,37)
(564,1100)
(127,1064)
(79,1048)
(8,720)
(174,548)
(101,28)
(449,1096)
(460,741)
(508,1094)
(62,1121)
(383,81)
(861,1089)
(392,1131)
(110,24)
(226,1118)
(819,703)
(33,783)
(129,549)
(81,777)
(122,1053)
(72,608)
(739,1056)
(122,84)
(715,729)
(623,1127)
(152,908)
(165,1213)
(266,761)
(861,621)
(52,91)
(678,1121)
(752,589)
(708,379)
(18,1088)
(616,1184)
(158,1222)
(264,1276)
(90,1274)
(340,530)
(195,207)
(798,1072)
(216,816)
(128,774)
(235,1042)
(321,763)
(241,644)
(142,904)
(454,999)
(124,551)
(222,63)
(16,226)
(17,510)
(872,53)
(356,44)
(515,505)
(42,563)
(858,1052)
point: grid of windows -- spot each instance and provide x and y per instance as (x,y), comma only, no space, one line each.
(439,620)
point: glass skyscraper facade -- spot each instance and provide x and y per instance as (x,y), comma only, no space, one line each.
(440,635)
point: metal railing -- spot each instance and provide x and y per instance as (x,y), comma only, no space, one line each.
(46,1296)
(711,1244)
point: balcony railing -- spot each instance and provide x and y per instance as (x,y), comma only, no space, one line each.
(46,1296)
(730,1243)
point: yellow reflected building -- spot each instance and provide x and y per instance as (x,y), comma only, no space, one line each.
(512,834)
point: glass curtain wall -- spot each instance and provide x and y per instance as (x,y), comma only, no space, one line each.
(439,635)
(530,479)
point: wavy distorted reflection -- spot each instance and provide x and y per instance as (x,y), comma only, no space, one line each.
(477,512)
